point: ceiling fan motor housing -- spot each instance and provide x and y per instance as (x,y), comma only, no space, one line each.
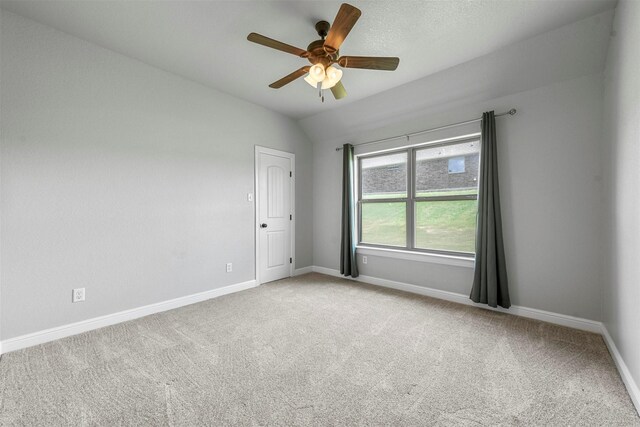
(317,54)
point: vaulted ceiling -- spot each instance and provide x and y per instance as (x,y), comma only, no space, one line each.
(205,41)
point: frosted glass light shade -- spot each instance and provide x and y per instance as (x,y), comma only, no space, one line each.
(327,84)
(333,74)
(317,73)
(331,77)
(311,82)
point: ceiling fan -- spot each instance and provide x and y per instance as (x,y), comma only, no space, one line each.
(324,53)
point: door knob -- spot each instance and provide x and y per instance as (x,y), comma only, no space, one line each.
(263,225)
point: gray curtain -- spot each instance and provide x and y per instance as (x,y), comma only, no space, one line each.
(490,284)
(348,266)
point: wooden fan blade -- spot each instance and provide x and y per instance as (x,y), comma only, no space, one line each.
(275,44)
(338,91)
(344,22)
(291,77)
(369,62)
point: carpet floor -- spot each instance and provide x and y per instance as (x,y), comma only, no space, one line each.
(316,350)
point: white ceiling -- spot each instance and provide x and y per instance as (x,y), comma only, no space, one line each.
(205,41)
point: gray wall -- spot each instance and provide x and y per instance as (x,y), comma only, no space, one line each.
(123,179)
(621,292)
(549,157)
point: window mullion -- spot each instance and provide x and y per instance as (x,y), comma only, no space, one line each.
(358,188)
(410,198)
(446,198)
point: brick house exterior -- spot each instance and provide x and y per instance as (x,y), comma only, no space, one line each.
(432,175)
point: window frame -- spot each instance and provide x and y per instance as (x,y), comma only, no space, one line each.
(410,199)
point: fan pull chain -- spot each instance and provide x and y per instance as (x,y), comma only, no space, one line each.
(320,95)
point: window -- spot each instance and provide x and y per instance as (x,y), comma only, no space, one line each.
(421,198)
(456,164)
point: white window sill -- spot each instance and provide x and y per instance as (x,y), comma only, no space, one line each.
(458,261)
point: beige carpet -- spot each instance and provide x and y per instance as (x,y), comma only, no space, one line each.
(315,350)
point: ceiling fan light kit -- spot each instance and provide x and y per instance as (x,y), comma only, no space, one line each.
(330,77)
(324,53)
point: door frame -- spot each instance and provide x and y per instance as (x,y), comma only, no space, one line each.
(256,205)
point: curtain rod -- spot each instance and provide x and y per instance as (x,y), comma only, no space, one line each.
(409,135)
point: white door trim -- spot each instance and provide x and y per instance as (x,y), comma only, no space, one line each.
(256,212)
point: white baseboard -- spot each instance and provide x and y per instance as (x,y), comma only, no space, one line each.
(47,335)
(625,374)
(303,270)
(328,272)
(531,313)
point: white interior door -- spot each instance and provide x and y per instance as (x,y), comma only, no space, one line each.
(274,214)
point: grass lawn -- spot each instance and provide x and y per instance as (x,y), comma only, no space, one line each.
(444,225)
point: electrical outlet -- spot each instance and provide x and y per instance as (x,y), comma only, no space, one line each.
(364,259)
(229,267)
(78,295)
